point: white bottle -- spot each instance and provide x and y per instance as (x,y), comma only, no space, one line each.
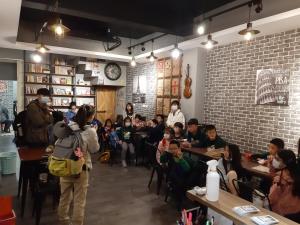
(212,181)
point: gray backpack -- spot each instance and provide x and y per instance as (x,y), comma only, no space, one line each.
(65,159)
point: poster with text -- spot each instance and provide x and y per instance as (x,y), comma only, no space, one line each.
(272,87)
(160,87)
(160,65)
(168,68)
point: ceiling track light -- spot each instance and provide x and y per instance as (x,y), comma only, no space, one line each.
(210,43)
(176,52)
(249,32)
(42,48)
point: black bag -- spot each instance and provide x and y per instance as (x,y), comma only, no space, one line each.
(19,125)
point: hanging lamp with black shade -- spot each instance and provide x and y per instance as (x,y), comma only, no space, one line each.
(152,57)
(210,43)
(249,32)
(57,25)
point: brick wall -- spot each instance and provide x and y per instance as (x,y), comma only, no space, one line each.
(9,96)
(230,91)
(147,69)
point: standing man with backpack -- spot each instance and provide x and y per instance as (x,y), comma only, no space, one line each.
(38,119)
(76,141)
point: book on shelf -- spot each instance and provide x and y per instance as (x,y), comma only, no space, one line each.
(264,220)
(64,70)
(39,79)
(245,209)
(45,80)
(37,68)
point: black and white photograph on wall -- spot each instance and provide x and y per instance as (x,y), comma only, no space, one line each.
(139,89)
(272,87)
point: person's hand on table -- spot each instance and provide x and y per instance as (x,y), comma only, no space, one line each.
(186,144)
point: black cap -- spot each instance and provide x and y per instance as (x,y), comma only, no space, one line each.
(193,121)
(43,91)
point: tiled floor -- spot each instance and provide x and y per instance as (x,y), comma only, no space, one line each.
(116,196)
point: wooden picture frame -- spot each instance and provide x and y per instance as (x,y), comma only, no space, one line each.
(168,68)
(175,87)
(167,87)
(160,68)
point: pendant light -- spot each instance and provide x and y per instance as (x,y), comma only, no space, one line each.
(210,43)
(57,27)
(132,62)
(176,52)
(152,57)
(249,32)
(36,57)
(42,48)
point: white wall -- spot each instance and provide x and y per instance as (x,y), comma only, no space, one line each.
(192,107)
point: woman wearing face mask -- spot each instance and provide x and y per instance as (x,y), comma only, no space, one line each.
(230,166)
(38,119)
(285,192)
(71,113)
(164,144)
(178,131)
(75,188)
(175,115)
(126,140)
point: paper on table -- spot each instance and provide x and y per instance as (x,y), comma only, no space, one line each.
(261,168)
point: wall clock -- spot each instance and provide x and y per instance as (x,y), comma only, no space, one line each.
(112,71)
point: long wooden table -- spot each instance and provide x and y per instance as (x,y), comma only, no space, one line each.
(226,203)
(247,164)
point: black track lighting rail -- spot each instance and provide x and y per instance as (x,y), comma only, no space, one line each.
(142,43)
(258,9)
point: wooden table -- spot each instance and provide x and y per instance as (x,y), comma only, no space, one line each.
(247,164)
(227,201)
(29,158)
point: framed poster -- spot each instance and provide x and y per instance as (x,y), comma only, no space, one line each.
(175,87)
(166,106)
(167,87)
(176,66)
(139,89)
(272,87)
(3,86)
(160,87)
(159,105)
(160,65)
(168,67)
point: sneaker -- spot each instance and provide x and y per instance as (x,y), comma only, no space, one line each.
(124,164)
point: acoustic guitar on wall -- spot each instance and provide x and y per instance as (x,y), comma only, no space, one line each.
(187,92)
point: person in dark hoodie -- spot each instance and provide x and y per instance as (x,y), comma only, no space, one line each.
(212,139)
(75,188)
(126,140)
(195,137)
(38,119)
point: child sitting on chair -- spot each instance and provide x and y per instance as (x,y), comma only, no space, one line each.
(164,143)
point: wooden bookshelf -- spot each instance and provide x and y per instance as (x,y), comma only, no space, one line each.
(53,67)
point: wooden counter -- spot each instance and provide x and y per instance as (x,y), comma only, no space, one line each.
(227,201)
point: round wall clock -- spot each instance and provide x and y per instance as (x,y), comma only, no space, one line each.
(112,71)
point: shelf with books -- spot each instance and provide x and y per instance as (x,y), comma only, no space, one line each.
(85,96)
(38,83)
(55,95)
(54,84)
(78,85)
(50,64)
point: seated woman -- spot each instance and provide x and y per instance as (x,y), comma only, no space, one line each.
(178,131)
(126,140)
(105,132)
(230,166)
(138,123)
(155,134)
(285,192)
(69,115)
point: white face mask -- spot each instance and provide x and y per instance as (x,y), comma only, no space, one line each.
(174,108)
(166,136)
(276,164)
(127,124)
(44,99)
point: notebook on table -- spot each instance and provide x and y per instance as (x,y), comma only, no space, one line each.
(264,220)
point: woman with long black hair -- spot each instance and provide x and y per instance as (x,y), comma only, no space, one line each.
(129,112)
(75,188)
(285,192)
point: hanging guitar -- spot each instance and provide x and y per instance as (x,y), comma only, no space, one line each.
(187,92)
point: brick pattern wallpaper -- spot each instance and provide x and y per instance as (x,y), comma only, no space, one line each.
(230,91)
(9,96)
(149,70)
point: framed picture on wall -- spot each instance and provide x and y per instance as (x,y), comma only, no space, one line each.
(168,67)
(3,86)
(176,66)
(166,106)
(159,105)
(167,87)
(175,87)
(160,65)
(272,87)
(160,87)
